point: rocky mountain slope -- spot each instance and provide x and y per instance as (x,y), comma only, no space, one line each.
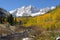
(30,11)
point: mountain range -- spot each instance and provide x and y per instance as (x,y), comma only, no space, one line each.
(30,11)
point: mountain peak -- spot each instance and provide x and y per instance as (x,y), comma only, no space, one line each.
(30,6)
(23,7)
(29,11)
(53,7)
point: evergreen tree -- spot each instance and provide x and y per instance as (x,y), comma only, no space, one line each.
(11,20)
(15,21)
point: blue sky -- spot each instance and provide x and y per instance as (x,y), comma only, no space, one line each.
(13,4)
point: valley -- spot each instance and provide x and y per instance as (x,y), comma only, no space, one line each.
(39,27)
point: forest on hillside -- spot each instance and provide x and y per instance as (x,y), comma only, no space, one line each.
(42,27)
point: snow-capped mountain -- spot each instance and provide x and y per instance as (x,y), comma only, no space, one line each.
(30,11)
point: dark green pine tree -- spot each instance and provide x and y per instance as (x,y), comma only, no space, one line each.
(11,20)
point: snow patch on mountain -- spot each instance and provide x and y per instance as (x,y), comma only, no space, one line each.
(30,11)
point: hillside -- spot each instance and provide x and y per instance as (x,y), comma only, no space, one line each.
(42,27)
(50,19)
